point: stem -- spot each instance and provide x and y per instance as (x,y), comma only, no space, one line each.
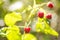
(41,5)
(33,11)
(27,25)
(2,34)
(34,4)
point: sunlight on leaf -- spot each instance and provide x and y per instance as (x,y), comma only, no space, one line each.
(12,18)
(13,33)
(50,30)
(28,37)
(38,27)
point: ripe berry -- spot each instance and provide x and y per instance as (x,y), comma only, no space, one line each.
(27,29)
(49,16)
(40,14)
(50,4)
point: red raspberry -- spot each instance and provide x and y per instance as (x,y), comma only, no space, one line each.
(49,16)
(50,4)
(40,14)
(27,29)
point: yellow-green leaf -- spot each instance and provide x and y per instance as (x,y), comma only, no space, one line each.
(38,27)
(13,33)
(12,18)
(50,30)
(28,37)
(43,26)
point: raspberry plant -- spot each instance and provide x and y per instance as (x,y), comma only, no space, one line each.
(12,32)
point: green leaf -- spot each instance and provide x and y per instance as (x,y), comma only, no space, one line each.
(3,31)
(49,30)
(12,18)
(28,37)
(43,26)
(13,33)
(39,27)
